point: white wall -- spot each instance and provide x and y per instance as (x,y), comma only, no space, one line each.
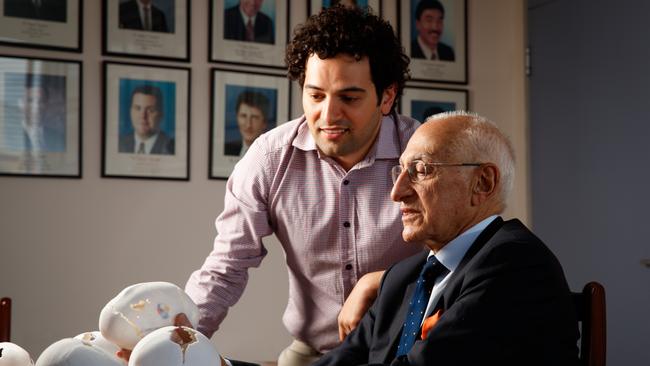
(68,246)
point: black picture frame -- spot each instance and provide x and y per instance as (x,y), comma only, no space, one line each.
(225,40)
(138,88)
(314,6)
(450,65)
(40,117)
(263,93)
(57,26)
(167,39)
(420,102)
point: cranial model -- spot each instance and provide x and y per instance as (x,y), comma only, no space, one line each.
(96,339)
(14,355)
(142,308)
(175,346)
(75,352)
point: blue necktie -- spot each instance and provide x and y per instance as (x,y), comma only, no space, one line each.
(431,270)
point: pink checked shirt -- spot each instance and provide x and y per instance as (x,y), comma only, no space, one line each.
(335,226)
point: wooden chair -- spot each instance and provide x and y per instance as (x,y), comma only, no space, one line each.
(5,319)
(590,309)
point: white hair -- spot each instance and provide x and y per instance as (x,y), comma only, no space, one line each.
(483,141)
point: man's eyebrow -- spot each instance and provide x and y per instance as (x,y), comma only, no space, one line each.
(355,89)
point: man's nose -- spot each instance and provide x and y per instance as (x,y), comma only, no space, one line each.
(401,187)
(331,112)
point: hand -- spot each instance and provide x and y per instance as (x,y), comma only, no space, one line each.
(362,296)
(179,320)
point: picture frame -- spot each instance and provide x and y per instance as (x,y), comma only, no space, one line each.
(53,25)
(267,38)
(163,34)
(40,117)
(316,5)
(244,105)
(146,121)
(421,102)
(419,37)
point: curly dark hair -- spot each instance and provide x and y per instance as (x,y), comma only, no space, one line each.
(355,32)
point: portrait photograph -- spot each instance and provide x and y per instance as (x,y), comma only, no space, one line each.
(46,24)
(248,31)
(157,29)
(317,5)
(434,34)
(146,121)
(40,117)
(244,106)
(421,103)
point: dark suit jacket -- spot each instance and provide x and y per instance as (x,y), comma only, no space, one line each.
(232,148)
(235,29)
(163,145)
(445,52)
(130,17)
(507,303)
(52,10)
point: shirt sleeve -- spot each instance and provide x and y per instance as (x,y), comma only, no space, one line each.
(221,280)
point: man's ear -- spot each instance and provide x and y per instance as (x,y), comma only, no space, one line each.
(485,184)
(387,99)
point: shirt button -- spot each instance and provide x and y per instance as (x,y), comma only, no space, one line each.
(346,182)
(348,267)
(346,224)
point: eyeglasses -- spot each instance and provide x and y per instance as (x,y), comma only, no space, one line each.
(419,170)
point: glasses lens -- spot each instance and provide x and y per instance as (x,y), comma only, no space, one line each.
(395,173)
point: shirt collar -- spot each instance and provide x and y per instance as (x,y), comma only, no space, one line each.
(451,254)
(426,50)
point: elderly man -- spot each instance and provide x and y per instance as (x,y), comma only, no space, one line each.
(488,292)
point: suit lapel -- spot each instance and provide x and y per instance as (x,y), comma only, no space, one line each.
(453,286)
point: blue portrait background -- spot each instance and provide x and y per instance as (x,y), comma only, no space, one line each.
(168,7)
(268,7)
(168,90)
(421,109)
(232,92)
(360,3)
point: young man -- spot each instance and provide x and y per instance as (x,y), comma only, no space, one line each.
(321,184)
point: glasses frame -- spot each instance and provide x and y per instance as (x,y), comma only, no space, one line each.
(397,170)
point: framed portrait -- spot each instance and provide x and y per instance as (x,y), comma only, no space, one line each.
(317,5)
(421,102)
(157,30)
(46,24)
(244,106)
(434,34)
(146,121)
(249,32)
(40,117)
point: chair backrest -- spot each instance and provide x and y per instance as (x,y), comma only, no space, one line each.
(590,309)
(5,319)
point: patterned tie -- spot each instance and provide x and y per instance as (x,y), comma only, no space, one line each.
(250,32)
(431,270)
(141,148)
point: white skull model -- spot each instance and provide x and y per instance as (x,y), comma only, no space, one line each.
(75,352)
(175,346)
(14,355)
(142,308)
(96,339)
